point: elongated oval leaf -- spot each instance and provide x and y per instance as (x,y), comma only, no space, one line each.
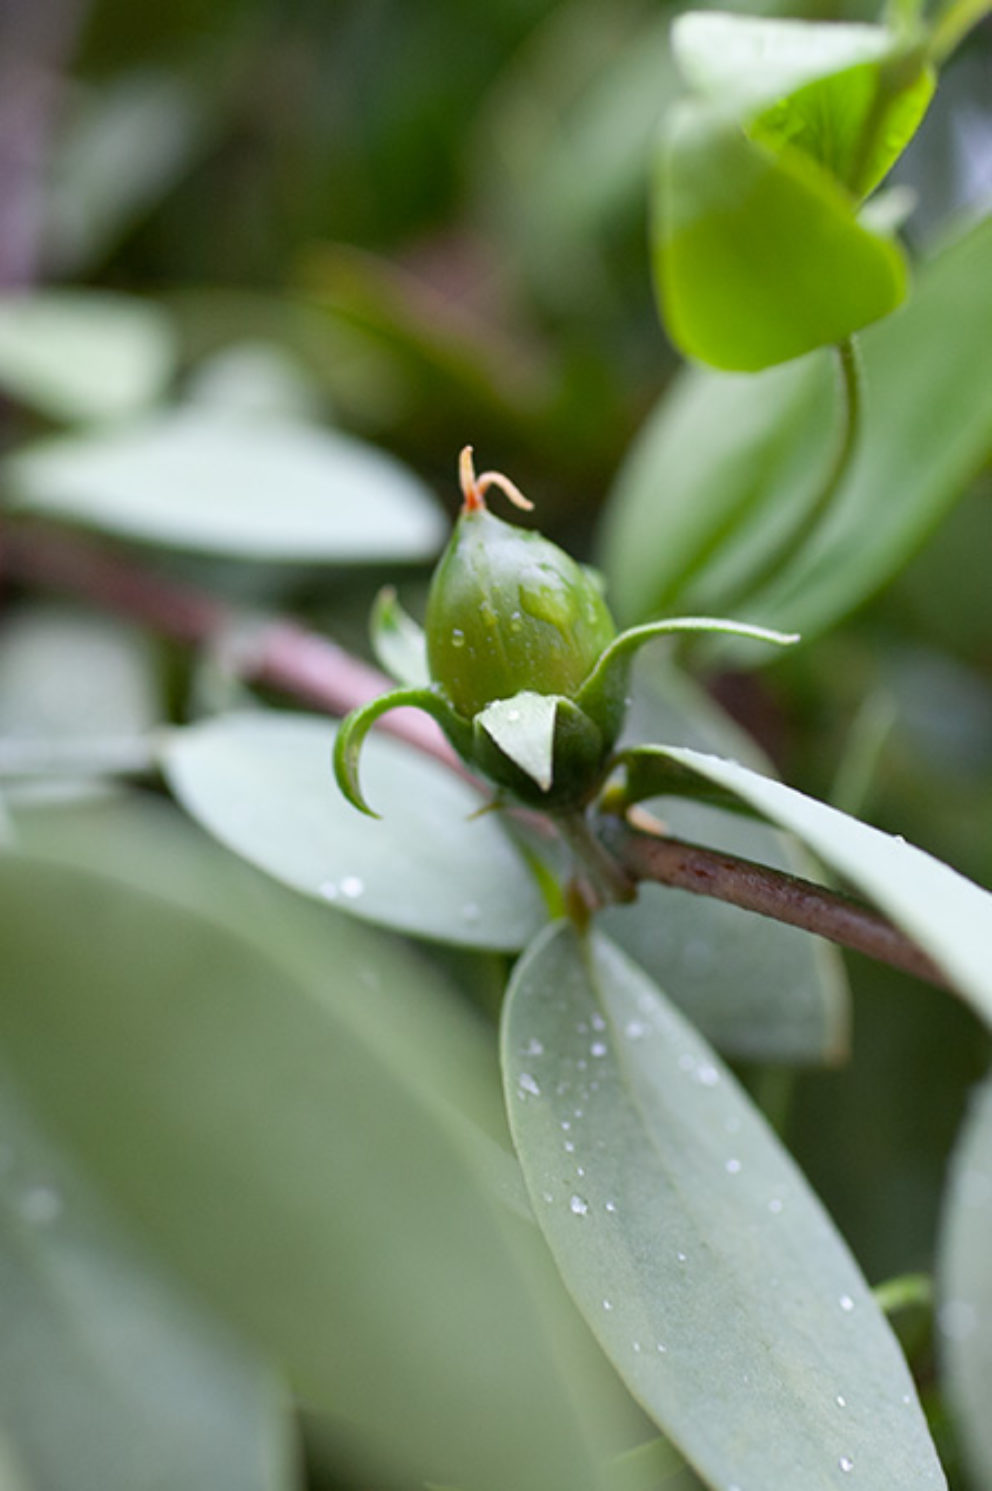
(786,999)
(948,916)
(271,1156)
(216,482)
(110,1378)
(262,784)
(964,1279)
(82,354)
(692,1243)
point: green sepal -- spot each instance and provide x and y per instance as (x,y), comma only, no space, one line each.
(550,756)
(603,695)
(353,730)
(398,642)
(648,771)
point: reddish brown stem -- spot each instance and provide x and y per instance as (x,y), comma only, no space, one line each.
(771,893)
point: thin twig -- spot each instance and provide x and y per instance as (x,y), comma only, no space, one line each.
(771,893)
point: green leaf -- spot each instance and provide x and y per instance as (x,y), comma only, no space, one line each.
(262,784)
(964,1317)
(692,1243)
(111,1378)
(727,462)
(759,257)
(948,916)
(212,481)
(277,1161)
(850,97)
(354,728)
(524,730)
(787,999)
(83,355)
(398,642)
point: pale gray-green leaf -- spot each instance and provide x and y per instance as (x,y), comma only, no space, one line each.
(691,1241)
(268,1152)
(398,641)
(110,1377)
(756,989)
(948,916)
(83,354)
(964,1316)
(431,865)
(524,729)
(214,481)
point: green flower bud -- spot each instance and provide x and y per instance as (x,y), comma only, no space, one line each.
(509,611)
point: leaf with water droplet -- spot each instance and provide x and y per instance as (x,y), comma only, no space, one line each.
(691,1257)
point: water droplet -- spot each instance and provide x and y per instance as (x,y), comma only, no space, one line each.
(597,1022)
(681,1257)
(578,1206)
(569,1147)
(907,1398)
(733,1167)
(457,637)
(840,1400)
(707,1075)
(566,1124)
(607,1304)
(547,1196)
(329,890)
(577,1112)
(471,913)
(534,1047)
(610,1206)
(580,1172)
(513,715)
(528,1084)
(352,886)
(846,1302)
(775,1205)
(660,1346)
(846,1464)
(635,1030)
(598,1048)
(636,1345)
(40,1204)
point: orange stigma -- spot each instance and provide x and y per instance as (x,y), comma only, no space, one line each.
(475,487)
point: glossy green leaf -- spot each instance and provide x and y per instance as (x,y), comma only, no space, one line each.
(727,463)
(398,642)
(431,866)
(964,1316)
(759,257)
(349,741)
(948,916)
(786,999)
(110,1378)
(217,482)
(270,1154)
(524,730)
(691,1241)
(83,355)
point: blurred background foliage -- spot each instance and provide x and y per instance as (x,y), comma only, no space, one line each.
(423,225)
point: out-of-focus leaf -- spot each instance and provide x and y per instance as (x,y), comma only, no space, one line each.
(255,378)
(727,464)
(692,1242)
(276,1160)
(849,96)
(273,489)
(122,146)
(430,865)
(964,1317)
(759,256)
(83,355)
(109,1377)
(399,643)
(67,674)
(755,988)
(948,916)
